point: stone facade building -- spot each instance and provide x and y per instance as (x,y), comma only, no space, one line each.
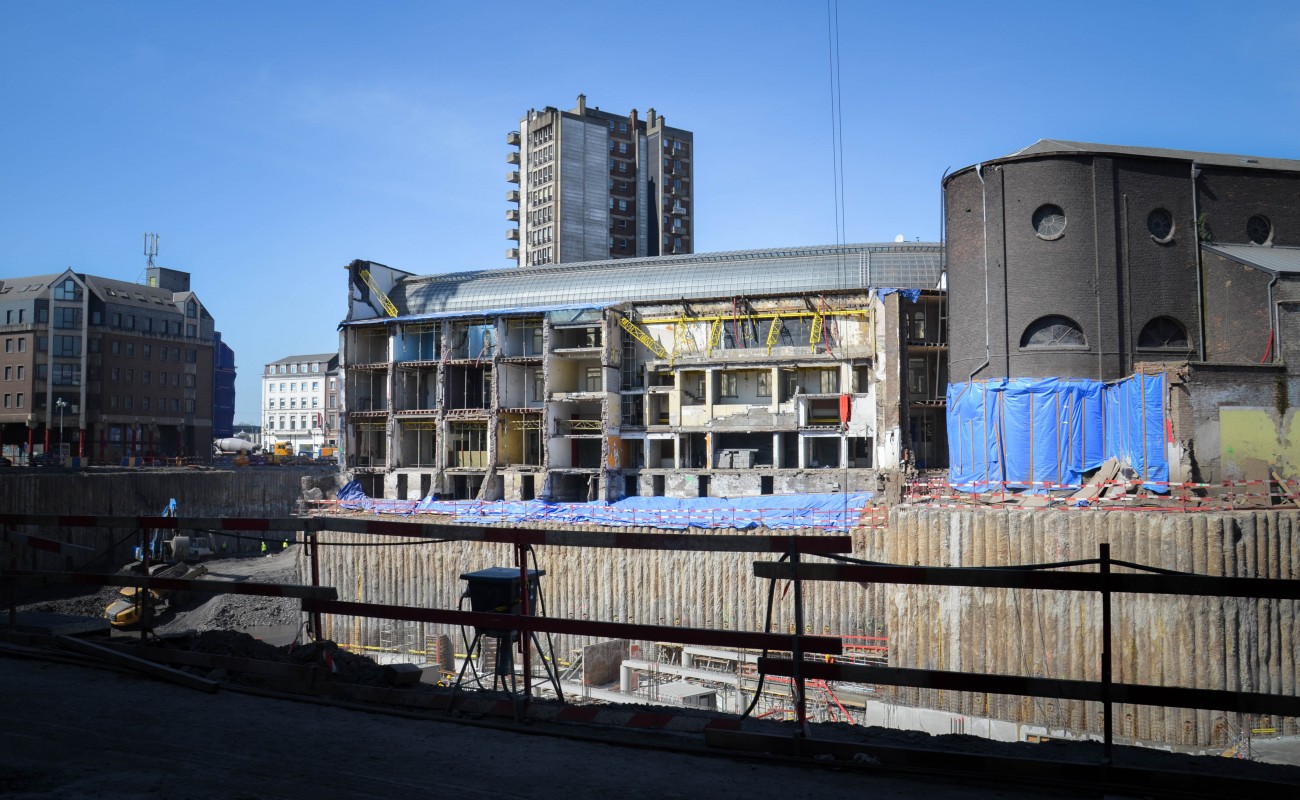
(297,395)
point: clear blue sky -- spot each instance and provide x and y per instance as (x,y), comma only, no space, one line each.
(271,143)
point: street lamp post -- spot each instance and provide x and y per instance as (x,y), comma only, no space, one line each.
(60,404)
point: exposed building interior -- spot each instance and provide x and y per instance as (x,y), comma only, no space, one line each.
(718,375)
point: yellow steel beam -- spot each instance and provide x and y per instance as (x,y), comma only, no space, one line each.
(792,314)
(642,337)
(715,335)
(374,287)
(773,333)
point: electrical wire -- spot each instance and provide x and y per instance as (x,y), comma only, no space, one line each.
(767,628)
(553,667)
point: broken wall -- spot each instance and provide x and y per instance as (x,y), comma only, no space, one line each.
(1228,414)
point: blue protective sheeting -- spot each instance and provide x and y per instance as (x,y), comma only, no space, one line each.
(912,295)
(1046,433)
(351,491)
(827,511)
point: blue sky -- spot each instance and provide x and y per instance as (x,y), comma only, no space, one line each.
(270,143)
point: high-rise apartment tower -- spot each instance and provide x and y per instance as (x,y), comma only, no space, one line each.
(590,185)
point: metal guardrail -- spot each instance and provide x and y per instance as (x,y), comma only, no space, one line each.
(318,600)
(1104,582)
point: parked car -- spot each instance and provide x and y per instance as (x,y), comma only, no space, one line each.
(45,460)
(4,462)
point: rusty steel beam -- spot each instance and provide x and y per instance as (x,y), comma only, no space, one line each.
(1009,578)
(753,640)
(1136,694)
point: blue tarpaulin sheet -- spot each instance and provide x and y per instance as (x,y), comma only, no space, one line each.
(830,511)
(1046,433)
(912,295)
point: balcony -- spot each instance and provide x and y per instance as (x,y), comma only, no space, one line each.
(512,157)
(512,253)
(512,215)
(512,138)
(512,234)
(677,208)
(512,176)
(512,196)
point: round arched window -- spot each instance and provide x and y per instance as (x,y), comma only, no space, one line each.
(1049,221)
(1053,330)
(1163,333)
(1259,229)
(1160,224)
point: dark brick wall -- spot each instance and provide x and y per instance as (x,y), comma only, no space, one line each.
(1228,198)
(964,225)
(1237,321)
(1160,275)
(1106,271)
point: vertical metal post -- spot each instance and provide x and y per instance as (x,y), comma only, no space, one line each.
(796,647)
(1107,715)
(313,547)
(141,592)
(525,635)
(13,583)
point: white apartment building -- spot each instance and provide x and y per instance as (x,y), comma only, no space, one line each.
(299,402)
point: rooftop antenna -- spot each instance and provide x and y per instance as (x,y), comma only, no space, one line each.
(150,248)
(150,253)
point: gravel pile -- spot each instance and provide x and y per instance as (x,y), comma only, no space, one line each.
(228,624)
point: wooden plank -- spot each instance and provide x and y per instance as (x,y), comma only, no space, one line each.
(139,664)
(1285,488)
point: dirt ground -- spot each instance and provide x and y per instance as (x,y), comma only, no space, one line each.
(72,732)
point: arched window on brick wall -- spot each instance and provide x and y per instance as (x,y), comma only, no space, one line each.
(1051,332)
(1164,333)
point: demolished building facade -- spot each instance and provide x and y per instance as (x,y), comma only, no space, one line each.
(729,374)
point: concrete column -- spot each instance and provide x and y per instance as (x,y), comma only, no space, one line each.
(776,451)
(677,452)
(844,456)
(774,386)
(803,451)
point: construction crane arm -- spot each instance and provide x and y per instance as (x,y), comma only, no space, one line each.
(383,298)
(642,337)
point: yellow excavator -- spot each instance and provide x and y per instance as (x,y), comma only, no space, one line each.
(125,611)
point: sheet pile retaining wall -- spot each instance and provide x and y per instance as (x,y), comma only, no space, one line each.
(1237,644)
(693,589)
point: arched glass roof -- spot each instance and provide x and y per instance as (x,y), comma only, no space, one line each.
(747,273)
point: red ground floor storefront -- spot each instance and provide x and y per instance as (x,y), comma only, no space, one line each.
(106,442)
